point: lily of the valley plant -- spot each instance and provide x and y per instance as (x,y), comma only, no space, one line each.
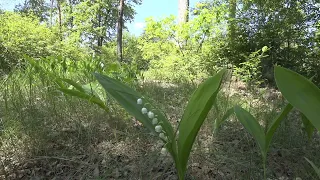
(301,94)
(304,96)
(177,142)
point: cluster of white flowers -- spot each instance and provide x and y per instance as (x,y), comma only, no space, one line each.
(155,122)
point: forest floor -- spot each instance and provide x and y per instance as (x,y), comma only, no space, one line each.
(50,138)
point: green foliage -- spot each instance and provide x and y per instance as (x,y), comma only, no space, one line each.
(300,92)
(250,71)
(219,35)
(183,52)
(132,52)
(83,92)
(59,46)
(38,8)
(94,22)
(26,36)
(23,35)
(55,71)
(254,128)
(196,111)
(127,97)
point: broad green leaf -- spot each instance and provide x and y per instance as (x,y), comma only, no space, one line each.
(308,127)
(195,113)
(300,92)
(127,98)
(316,169)
(85,96)
(252,126)
(74,84)
(275,124)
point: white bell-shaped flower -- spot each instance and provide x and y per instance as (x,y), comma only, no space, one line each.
(164,151)
(158,128)
(139,101)
(150,114)
(162,136)
(154,121)
(144,110)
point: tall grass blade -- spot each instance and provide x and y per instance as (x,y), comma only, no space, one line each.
(316,169)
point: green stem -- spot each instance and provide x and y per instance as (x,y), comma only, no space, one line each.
(264,168)
(180,174)
(180,169)
(175,156)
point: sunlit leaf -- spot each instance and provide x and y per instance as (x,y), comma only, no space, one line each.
(195,113)
(85,96)
(300,92)
(74,84)
(91,89)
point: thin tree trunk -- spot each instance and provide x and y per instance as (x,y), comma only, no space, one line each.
(71,11)
(51,13)
(183,11)
(119,30)
(183,17)
(232,17)
(60,19)
(100,37)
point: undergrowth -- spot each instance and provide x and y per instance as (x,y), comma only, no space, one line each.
(45,134)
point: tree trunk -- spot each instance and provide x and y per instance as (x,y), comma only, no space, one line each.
(51,13)
(100,37)
(60,19)
(183,11)
(232,18)
(119,30)
(71,11)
